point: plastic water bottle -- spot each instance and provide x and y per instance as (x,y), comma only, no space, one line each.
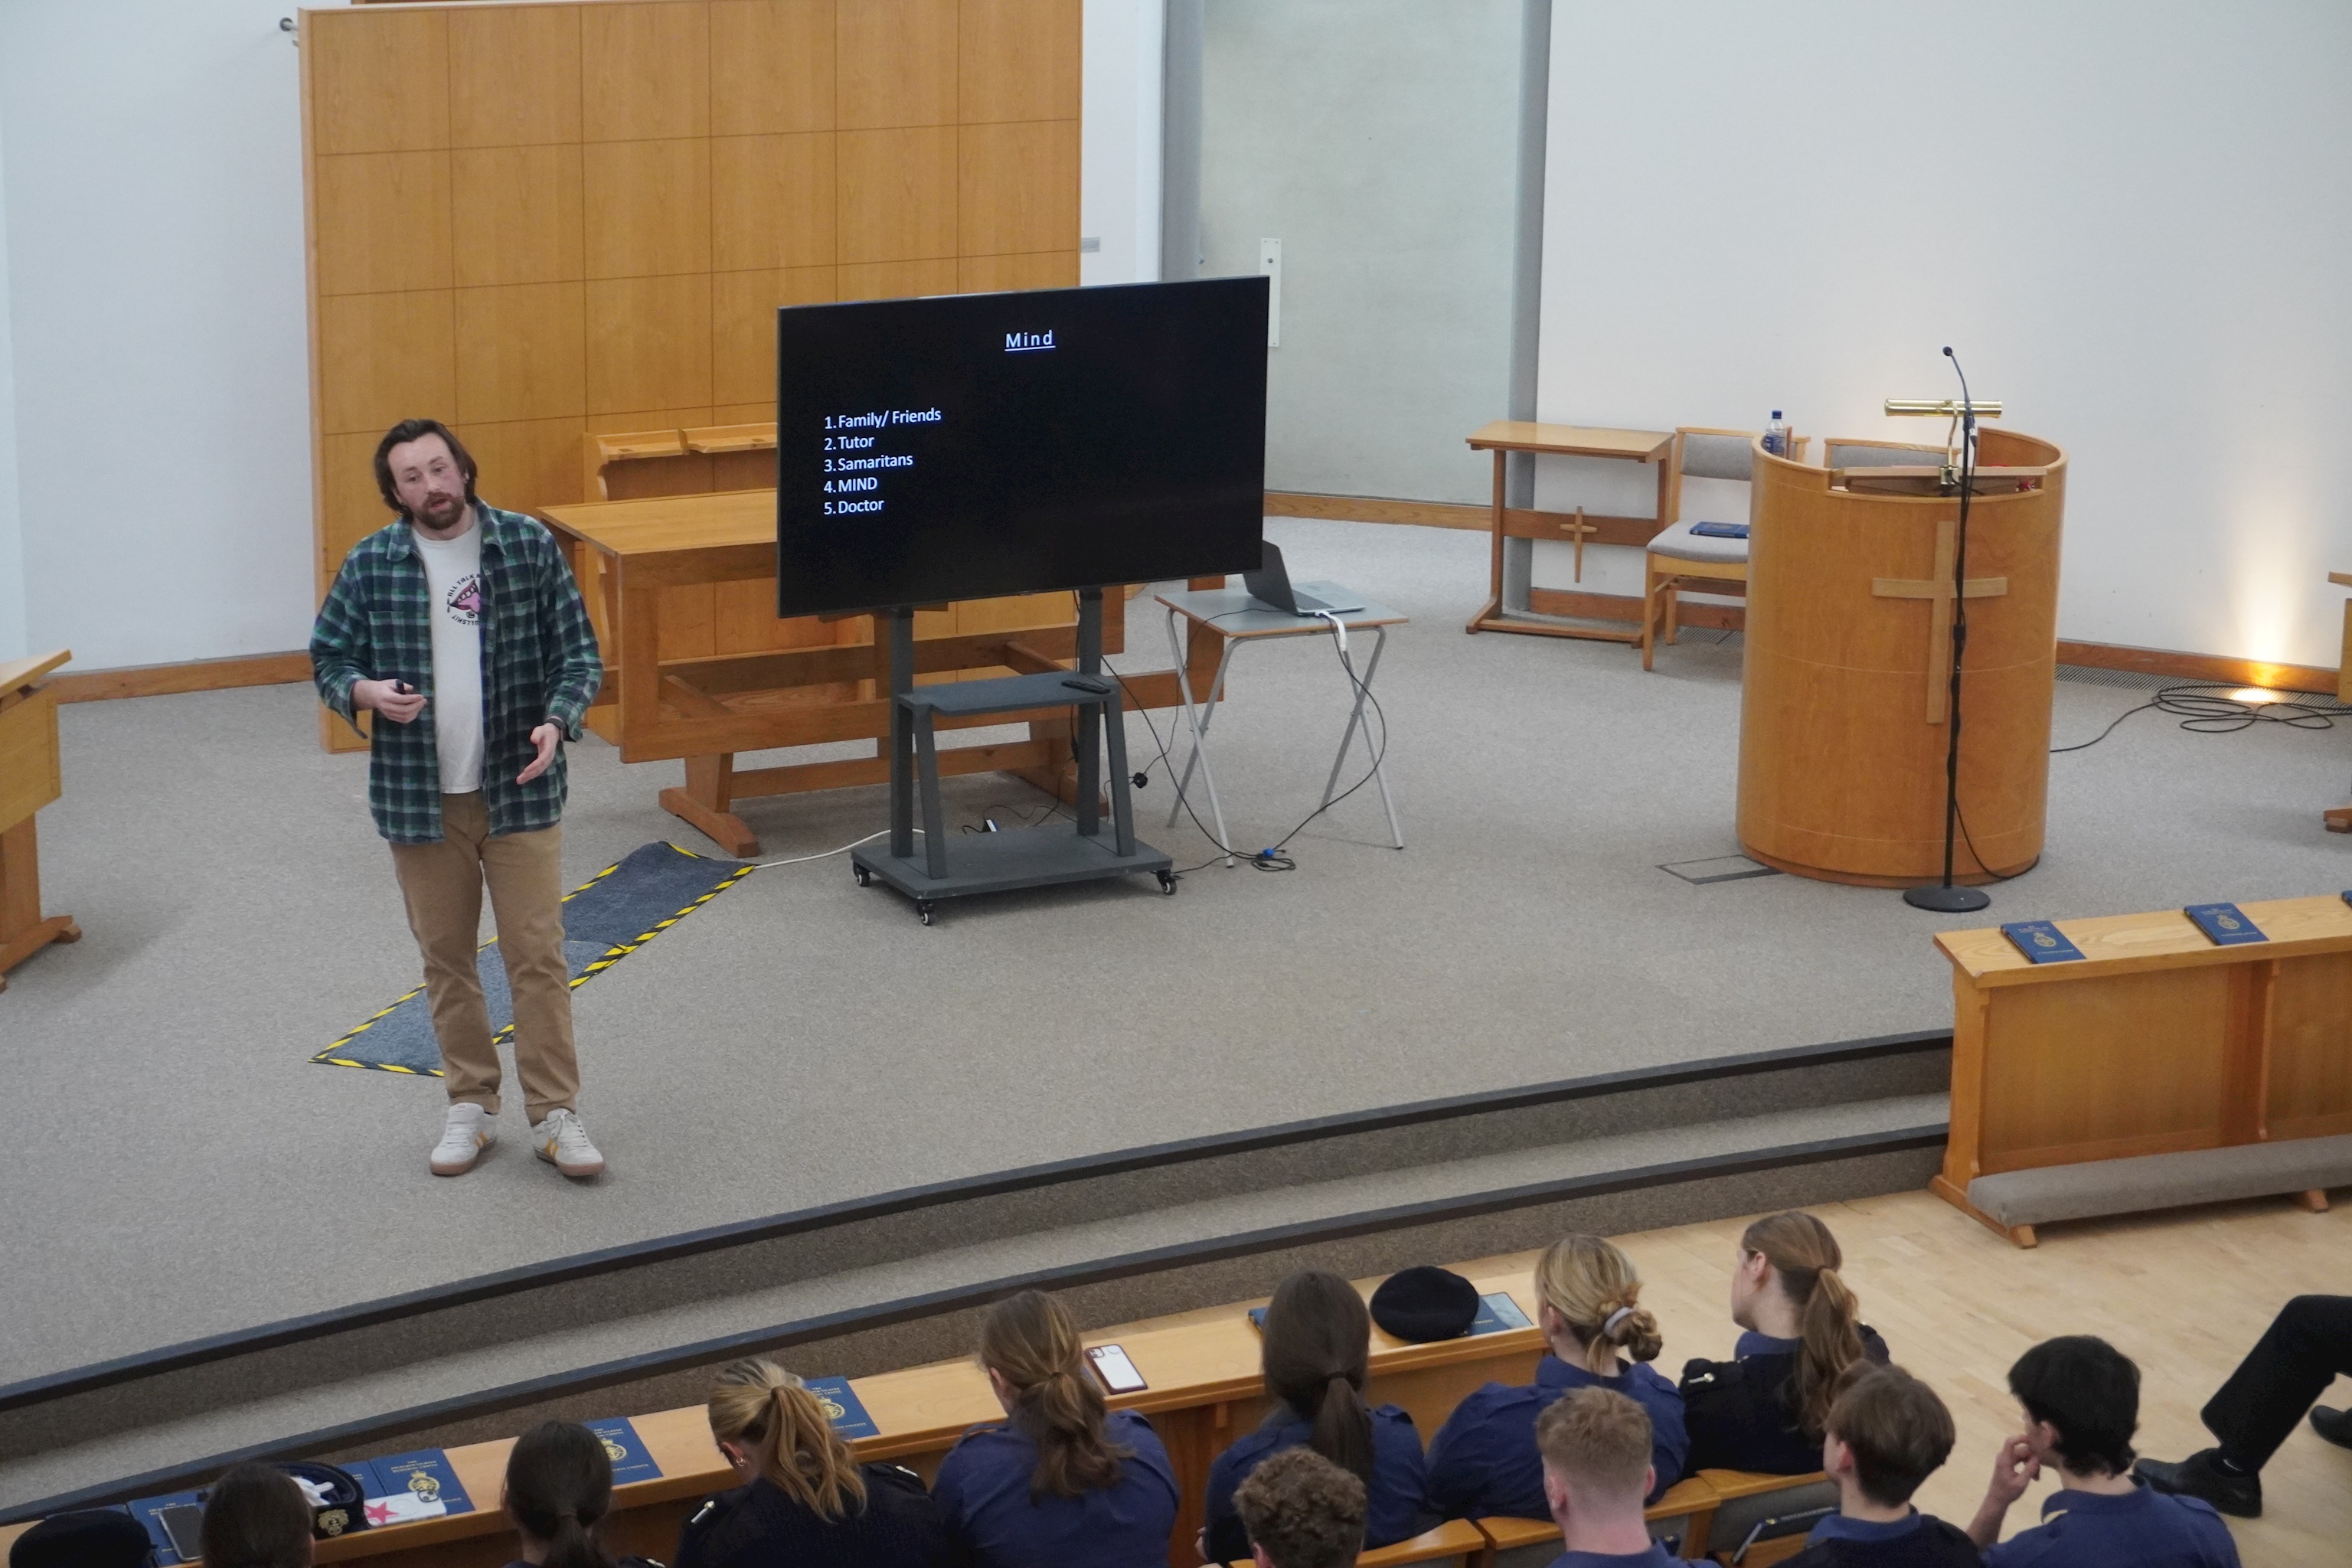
(1776,435)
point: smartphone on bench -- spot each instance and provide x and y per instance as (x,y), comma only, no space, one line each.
(1117,1372)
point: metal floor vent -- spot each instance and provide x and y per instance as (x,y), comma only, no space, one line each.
(1716,868)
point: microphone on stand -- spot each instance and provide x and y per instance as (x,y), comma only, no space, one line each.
(1945,897)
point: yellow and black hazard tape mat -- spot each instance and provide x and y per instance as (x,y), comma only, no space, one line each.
(605,919)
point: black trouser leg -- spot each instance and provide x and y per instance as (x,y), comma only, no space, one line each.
(2306,1345)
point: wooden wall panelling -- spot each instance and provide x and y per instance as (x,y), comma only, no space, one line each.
(514,76)
(644,71)
(385,357)
(362,71)
(897,194)
(383,222)
(648,343)
(1018,59)
(771,66)
(516,213)
(744,333)
(1017,187)
(520,353)
(895,63)
(896,280)
(772,201)
(646,206)
(995,274)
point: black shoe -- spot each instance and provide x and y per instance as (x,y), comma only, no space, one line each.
(2197,1477)
(2336,1426)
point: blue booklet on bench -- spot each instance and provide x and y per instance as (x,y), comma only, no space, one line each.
(149,1513)
(842,1407)
(2040,942)
(2226,923)
(414,1483)
(625,1449)
(1497,1313)
(1720,529)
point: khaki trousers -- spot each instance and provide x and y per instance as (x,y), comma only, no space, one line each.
(442,884)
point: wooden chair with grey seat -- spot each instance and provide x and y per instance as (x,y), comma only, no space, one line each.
(1679,560)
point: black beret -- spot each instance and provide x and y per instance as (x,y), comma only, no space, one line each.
(99,1538)
(1423,1305)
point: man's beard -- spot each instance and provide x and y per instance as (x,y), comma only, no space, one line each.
(442,511)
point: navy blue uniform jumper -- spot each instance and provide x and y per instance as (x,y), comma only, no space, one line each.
(1484,1461)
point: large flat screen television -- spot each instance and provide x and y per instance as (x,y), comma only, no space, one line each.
(976,445)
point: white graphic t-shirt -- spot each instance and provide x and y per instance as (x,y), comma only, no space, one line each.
(453,579)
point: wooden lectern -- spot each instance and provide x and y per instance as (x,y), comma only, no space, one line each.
(29,780)
(1844,701)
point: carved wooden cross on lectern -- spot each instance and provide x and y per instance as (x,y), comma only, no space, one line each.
(1939,624)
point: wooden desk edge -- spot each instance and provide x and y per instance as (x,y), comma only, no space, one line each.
(2013,968)
(22,672)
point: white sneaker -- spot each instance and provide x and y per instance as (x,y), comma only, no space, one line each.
(562,1143)
(463,1136)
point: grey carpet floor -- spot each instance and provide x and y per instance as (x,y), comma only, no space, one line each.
(175,1167)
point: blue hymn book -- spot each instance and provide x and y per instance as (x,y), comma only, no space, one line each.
(842,1407)
(1720,529)
(625,1449)
(2040,942)
(2226,923)
(425,1475)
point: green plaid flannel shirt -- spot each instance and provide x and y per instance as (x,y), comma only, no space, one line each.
(540,663)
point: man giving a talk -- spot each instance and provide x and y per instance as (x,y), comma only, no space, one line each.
(460,626)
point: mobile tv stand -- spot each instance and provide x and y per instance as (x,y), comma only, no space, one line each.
(951,868)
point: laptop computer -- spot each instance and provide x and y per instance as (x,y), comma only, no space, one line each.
(1270,586)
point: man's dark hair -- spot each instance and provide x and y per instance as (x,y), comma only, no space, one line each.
(2089,1391)
(1895,1426)
(1304,1509)
(401,434)
(256,1517)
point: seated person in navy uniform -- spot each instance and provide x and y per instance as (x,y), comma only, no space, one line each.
(1596,1471)
(1302,1511)
(805,1499)
(558,1489)
(1763,1409)
(2080,1400)
(1317,1352)
(1484,1461)
(1062,1482)
(1888,1433)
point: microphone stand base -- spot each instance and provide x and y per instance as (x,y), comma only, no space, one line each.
(1946,900)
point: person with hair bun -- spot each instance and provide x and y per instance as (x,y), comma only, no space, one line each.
(558,1485)
(805,1500)
(1765,1409)
(1317,1353)
(1484,1460)
(1063,1480)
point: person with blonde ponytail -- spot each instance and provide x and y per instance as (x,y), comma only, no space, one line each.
(1484,1460)
(1063,1481)
(805,1500)
(1765,1408)
(558,1485)
(1317,1349)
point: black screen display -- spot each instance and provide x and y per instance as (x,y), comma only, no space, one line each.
(976,445)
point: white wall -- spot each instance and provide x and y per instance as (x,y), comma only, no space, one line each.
(1118,141)
(2131,217)
(154,221)
(12,551)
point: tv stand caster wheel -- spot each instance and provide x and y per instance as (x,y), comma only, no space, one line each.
(923,911)
(1167,882)
(865,877)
